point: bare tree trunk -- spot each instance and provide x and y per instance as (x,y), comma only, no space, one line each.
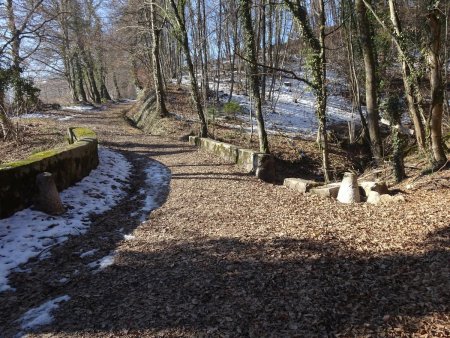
(234,23)
(318,65)
(408,83)
(157,73)
(263,49)
(354,82)
(365,35)
(15,55)
(437,90)
(249,38)
(184,41)
(79,76)
(116,86)
(322,95)
(219,49)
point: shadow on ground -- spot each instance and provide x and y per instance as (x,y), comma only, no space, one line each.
(38,281)
(279,287)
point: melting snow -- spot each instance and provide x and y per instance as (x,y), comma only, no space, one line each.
(79,108)
(102,263)
(157,181)
(88,253)
(41,315)
(44,116)
(30,233)
(293,110)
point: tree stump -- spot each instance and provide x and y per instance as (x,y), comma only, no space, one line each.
(349,190)
(47,198)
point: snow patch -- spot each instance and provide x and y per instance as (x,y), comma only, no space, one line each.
(30,233)
(157,181)
(129,237)
(88,253)
(79,108)
(292,110)
(44,116)
(41,315)
(102,263)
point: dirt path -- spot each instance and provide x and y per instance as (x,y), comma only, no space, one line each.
(229,256)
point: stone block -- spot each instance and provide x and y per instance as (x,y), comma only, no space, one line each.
(373,197)
(299,184)
(392,198)
(194,140)
(368,186)
(226,151)
(246,159)
(330,190)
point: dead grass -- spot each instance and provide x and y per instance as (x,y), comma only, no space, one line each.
(35,136)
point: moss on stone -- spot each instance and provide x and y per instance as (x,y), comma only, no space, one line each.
(69,164)
(81,133)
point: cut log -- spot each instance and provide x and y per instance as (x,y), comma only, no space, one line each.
(47,197)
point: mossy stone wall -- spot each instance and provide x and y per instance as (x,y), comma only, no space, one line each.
(68,165)
(143,114)
(247,159)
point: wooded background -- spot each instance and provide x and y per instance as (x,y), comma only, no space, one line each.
(391,56)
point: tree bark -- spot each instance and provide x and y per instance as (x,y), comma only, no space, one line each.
(184,41)
(249,38)
(408,83)
(157,72)
(366,38)
(15,56)
(318,68)
(437,90)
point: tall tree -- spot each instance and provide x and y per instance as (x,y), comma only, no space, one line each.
(409,80)
(156,29)
(318,70)
(250,48)
(366,39)
(179,15)
(437,89)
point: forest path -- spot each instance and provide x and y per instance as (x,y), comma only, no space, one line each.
(228,255)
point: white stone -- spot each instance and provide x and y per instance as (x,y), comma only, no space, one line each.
(349,190)
(299,184)
(329,190)
(379,187)
(373,197)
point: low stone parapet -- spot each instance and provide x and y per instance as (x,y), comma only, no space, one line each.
(249,160)
(68,165)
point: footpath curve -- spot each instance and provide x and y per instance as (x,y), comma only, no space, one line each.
(229,255)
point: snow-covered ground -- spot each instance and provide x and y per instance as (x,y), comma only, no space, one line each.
(41,315)
(44,116)
(157,181)
(80,108)
(30,233)
(292,109)
(102,263)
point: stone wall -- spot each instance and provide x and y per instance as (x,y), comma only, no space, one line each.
(143,114)
(68,165)
(247,159)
